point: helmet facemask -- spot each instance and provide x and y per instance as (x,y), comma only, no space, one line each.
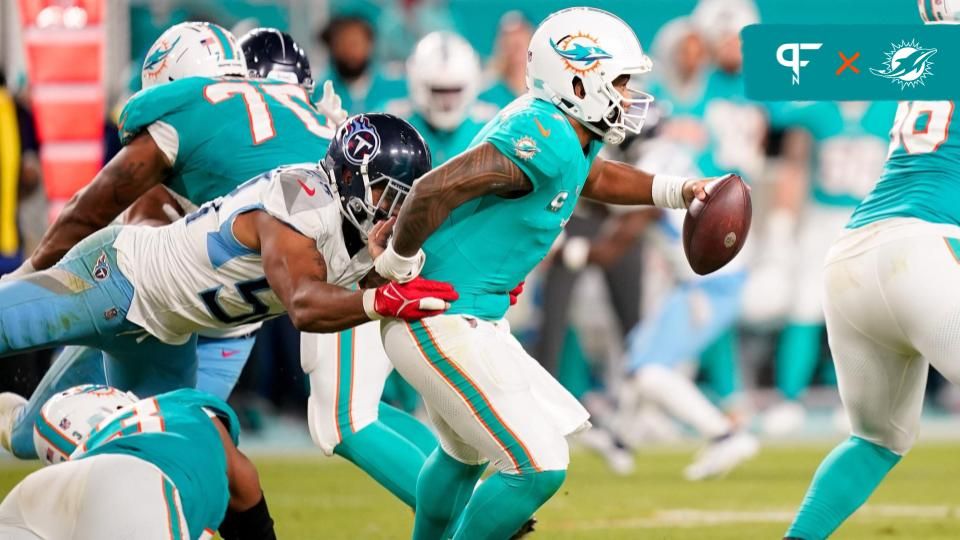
(447,107)
(362,213)
(623,114)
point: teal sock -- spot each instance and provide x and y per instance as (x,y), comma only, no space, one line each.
(408,427)
(842,483)
(719,363)
(399,392)
(797,357)
(388,457)
(444,487)
(573,369)
(504,502)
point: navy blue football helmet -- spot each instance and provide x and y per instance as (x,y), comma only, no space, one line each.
(375,154)
(272,54)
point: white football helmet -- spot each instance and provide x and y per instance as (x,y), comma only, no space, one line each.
(719,19)
(443,78)
(192,49)
(939,11)
(595,47)
(67,419)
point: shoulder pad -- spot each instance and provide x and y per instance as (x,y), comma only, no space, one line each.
(153,104)
(300,196)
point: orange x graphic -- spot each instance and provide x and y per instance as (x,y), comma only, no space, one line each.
(848,63)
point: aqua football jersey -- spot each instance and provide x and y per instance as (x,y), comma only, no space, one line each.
(228,130)
(849,147)
(737,127)
(444,145)
(921,178)
(489,244)
(498,93)
(174,432)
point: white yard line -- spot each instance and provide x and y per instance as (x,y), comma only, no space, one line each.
(690,517)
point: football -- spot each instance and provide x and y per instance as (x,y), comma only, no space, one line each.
(715,230)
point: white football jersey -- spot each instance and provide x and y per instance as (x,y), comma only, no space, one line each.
(194,274)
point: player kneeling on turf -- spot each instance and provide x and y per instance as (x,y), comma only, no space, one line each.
(160,468)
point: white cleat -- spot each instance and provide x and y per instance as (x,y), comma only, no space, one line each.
(10,406)
(722,456)
(619,459)
(783,419)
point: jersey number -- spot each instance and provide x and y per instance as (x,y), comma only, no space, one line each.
(248,291)
(144,417)
(921,126)
(261,121)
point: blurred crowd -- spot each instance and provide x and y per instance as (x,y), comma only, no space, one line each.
(614,306)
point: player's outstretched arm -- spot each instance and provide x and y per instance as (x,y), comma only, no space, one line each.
(297,274)
(482,170)
(247,514)
(139,166)
(618,183)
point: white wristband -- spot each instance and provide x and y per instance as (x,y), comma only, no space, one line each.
(396,267)
(575,253)
(369,304)
(668,191)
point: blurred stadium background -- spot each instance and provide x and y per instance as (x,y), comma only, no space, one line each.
(69,65)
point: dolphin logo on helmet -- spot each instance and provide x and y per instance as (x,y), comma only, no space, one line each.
(581,48)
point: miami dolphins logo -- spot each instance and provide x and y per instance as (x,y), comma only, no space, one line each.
(907,64)
(361,140)
(581,53)
(157,60)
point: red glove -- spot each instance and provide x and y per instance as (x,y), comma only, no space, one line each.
(517,291)
(409,301)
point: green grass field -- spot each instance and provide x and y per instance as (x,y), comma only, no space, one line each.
(313,498)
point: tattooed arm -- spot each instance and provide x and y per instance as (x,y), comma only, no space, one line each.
(482,170)
(139,166)
(618,183)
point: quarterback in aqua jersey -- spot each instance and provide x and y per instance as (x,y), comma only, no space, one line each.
(161,468)
(892,304)
(484,219)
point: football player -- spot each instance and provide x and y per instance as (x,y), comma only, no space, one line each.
(485,219)
(837,150)
(348,370)
(890,299)
(161,468)
(197,131)
(700,308)
(289,240)
(443,79)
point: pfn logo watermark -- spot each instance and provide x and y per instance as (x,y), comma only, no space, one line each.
(794,62)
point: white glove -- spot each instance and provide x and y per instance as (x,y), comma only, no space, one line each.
(330,106)
(25,269)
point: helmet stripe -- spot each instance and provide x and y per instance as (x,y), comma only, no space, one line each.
(926,11)
(53,436)
(224,42)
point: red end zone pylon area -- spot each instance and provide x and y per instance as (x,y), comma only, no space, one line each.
(64,42)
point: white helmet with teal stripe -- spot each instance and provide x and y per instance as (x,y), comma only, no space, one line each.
(939,11)
(67,419)
(594,48)
(192,49)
